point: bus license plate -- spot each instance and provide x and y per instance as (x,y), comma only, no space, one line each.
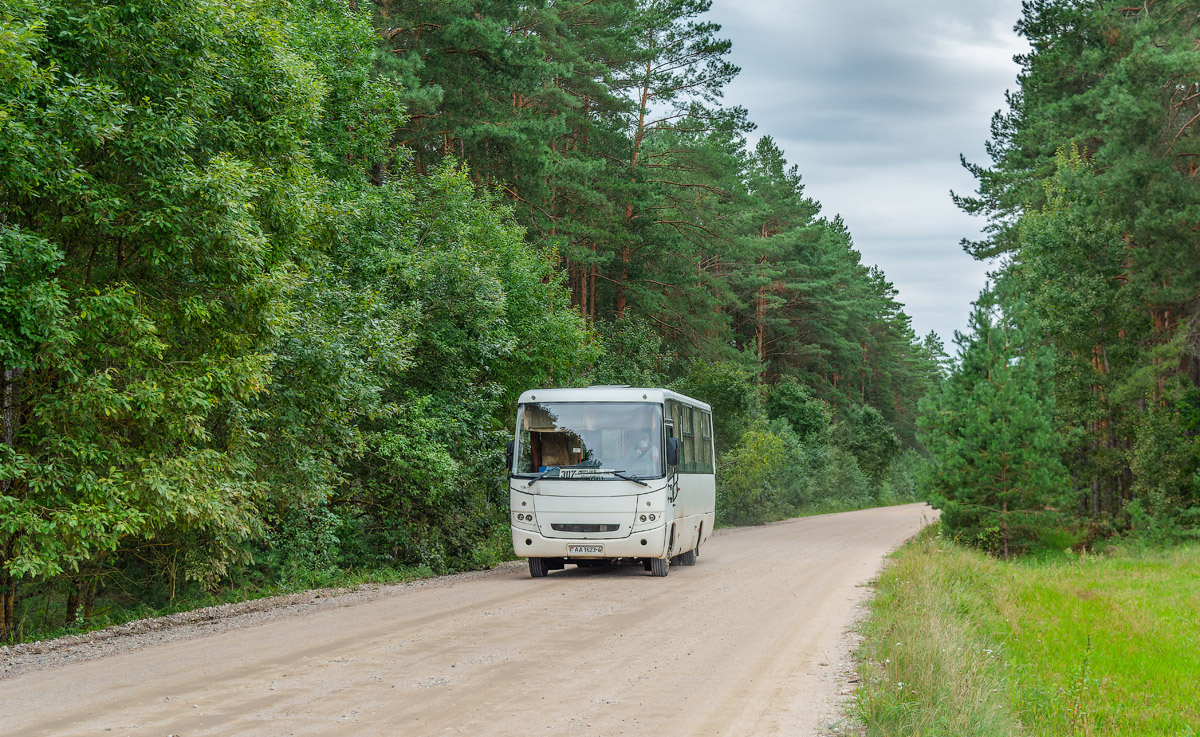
(585,549)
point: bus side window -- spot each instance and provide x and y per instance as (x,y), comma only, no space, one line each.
(689,463)
(706,444)
(675,411)
(693,427)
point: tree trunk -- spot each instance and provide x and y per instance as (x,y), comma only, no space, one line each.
(760,315)
(583,291)
(620,304)
(72,604)
(10,411)
(1004,528)
(8,598)
(592,294)
(10,420)
(89,598)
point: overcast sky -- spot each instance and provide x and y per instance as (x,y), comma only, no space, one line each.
(874,101)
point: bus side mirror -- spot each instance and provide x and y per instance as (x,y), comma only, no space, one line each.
(672,452)
(508,456)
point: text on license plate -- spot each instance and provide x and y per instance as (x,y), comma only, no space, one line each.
(585,549)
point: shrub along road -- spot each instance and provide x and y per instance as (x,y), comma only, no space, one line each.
(749,641)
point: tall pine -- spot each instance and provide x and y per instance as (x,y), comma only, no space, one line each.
(996,471)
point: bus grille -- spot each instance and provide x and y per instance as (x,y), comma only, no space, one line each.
(584,528)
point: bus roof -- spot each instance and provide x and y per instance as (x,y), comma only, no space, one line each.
(609,394)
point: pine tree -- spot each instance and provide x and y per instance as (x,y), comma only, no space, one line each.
(996,470)
(1093,195)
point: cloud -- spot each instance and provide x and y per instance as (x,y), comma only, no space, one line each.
(874,101)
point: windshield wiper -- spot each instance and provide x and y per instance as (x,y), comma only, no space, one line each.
(540,475)
(618,474)
(621,474)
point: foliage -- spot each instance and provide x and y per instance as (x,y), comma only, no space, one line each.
(808,417)
(634,353)
(601,123)
(931,657)
(903,483)
(212,321)
(832,480)
(996,471)
(868,436)
(750,492)
(155,157)
(272,278)
(981,645)
(1091,198)
(773,474)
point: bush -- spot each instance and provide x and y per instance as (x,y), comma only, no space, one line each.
(305,540)
(901,481)
(871,439)
(807,416)
(749,491)
(840,483)
(773,474)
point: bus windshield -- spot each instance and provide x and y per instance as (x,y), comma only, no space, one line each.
(589,440)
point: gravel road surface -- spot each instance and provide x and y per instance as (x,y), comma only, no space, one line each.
(752,640)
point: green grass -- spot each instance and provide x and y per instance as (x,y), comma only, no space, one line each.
(1108,645)
(962,644)
(930,662)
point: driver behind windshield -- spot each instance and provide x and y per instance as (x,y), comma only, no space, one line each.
(643,459)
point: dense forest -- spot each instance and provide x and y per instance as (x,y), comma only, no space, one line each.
(272,276)
(1075,412)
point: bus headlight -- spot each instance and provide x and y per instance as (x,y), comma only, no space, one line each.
(648,521)
(523,520)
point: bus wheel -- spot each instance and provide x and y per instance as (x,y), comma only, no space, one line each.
(660,567)
(688,558)
(538,567)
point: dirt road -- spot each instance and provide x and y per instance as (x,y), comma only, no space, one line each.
(747,642)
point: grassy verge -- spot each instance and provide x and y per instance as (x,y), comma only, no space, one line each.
(962,644)
(930,655)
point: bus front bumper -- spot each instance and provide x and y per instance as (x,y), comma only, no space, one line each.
(651,543)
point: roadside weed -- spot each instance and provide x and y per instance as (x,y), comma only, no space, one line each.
(929,662)
(1079,645)
(1108,645)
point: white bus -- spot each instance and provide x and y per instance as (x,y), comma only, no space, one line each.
(608,474)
